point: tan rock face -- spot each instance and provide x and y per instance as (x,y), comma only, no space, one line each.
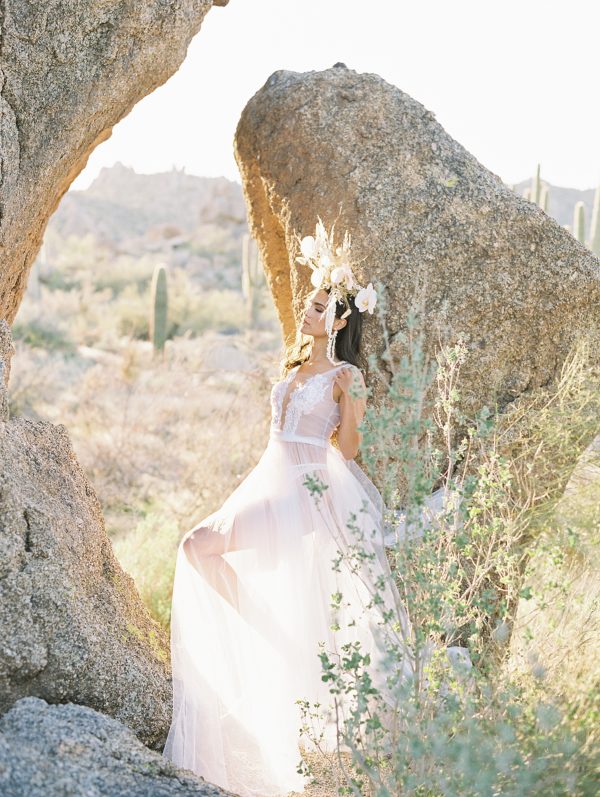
(422,211)
(72,625)
(69,71)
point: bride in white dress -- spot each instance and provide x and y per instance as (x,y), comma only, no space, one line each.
(254,580)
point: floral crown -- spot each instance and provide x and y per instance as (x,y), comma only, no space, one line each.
(331,270)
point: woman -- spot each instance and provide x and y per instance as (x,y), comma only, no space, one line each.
(254,580)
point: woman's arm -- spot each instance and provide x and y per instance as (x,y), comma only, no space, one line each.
(351,411)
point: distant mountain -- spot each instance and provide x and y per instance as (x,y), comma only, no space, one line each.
(562,202)
(123,207)
(121,204)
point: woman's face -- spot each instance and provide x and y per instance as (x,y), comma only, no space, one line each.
(313,322)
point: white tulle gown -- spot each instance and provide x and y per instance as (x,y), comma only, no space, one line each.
(252,595)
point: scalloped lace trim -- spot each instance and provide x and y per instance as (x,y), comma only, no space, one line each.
(303,398)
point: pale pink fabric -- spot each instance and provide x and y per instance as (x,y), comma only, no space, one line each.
(238,669)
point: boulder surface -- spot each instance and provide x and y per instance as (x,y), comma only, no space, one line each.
(52,751)
(72,624)
(427,220)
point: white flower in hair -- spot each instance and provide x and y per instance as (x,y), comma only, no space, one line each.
(307,247)
(342,274)
(317,277)
(366,299)
(331,270)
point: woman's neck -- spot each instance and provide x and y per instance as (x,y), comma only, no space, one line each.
(318,353)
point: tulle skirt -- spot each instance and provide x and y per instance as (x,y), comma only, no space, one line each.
(251,603)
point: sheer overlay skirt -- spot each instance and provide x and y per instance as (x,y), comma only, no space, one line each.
(251,602)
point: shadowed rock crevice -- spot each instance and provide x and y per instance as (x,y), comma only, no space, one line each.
(27,532)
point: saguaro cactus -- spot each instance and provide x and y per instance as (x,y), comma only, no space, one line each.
(594,242)
(39,269)
(159,308)
(536,186)
(252,274)
(33,283)
(579,222)
(538,192)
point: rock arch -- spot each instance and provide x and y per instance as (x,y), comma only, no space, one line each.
(68,73)
(73,625)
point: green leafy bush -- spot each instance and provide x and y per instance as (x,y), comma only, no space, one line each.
(457,576)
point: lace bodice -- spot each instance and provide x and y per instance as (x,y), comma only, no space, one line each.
(306,407)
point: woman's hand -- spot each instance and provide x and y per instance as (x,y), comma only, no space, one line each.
(343,379)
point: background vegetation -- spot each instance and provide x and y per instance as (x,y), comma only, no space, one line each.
(166,435)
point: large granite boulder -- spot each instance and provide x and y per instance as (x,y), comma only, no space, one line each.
(52,751)
(69,71)
(72,625)
(424,214)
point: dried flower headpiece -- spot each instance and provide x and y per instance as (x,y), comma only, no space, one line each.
(331,270)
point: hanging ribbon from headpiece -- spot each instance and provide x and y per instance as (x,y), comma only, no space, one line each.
(331,270)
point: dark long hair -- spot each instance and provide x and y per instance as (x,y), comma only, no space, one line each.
(347,342)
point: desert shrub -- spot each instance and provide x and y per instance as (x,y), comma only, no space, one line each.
(38,325)
(125,272)
(471,724)
(198,311)
(212,239)
(33,376)
(556,640)
(130,311)
(73,258)
(191,310)
(146,552)
(43,333)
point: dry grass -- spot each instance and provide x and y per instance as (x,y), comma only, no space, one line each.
(327,774)
(163,442)
(557,630)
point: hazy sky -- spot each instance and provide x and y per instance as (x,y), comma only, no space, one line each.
(515,81)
